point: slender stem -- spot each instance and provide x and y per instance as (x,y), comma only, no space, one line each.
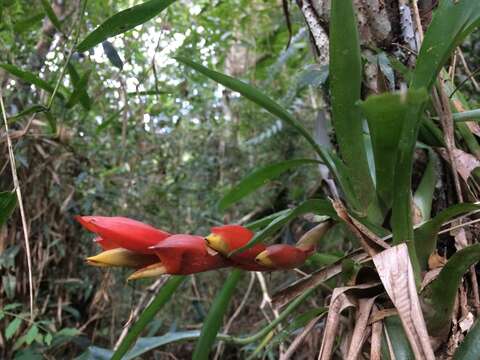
(18,191)
(70,53)
(264,332)
(147,315)
(470,115)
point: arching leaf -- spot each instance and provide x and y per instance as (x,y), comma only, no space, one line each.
(258,178)
(123,21)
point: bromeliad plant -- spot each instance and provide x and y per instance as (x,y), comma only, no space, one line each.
(372,199)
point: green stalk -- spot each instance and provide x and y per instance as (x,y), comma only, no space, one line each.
(214,319)
(148,314)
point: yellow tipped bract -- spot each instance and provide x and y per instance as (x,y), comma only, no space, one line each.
(148,272)
(264,260)
(215,242)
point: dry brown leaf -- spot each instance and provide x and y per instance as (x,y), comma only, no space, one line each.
(300,338)
(460,238)
(340,301)
(417,214)
(467,322)
(286,295)
(360,332)
(314,235)
(436,261)
(382,314)
(429,277)
(396,273)
(376,338)
(370,242)
(464,162)
(342,298)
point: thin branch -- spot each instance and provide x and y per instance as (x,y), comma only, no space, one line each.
(16,184)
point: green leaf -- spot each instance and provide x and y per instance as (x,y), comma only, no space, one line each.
(80,92)
(259,178)
(146,344)
(423,197)
(29,77)
(30,110)
(452,21)
(112,54)
(443,290)
(256,96)
(426,235)
(12,328)
(11,306)
(48,339)
(124,21)
(79,87)
(345,87)
(385,114)
(260,223)
(51,14)
(214,319)
(8,202)
(398,339)
(25,24)
(469,348)
(317,206)
(163,296)
(31,334)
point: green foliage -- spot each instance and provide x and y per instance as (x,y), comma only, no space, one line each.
(164,295)
(8,202)
(444,288)
(426,235)
(423,197)
(51,14)
(345,86)
(29,77)
(398,339)
(215,316)
(259,98)
(317,206)
(123,21)
(385,114)
(469,348)
(258,178)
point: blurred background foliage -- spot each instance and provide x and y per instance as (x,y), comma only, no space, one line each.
(148,139)
(131,132)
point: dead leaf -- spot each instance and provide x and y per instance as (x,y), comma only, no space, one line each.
(464,162)
(466,323)
(436,261)
(312,237)
(343,298)
(376,338)
(360,332)
(460,238)
(396,273)
(286,295)
(340,301)
(300,338)
(429,277)
(371,243)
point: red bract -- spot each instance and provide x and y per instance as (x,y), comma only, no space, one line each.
(123,232)
(282,256)
(182,254)
(228,238)
(105,244)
